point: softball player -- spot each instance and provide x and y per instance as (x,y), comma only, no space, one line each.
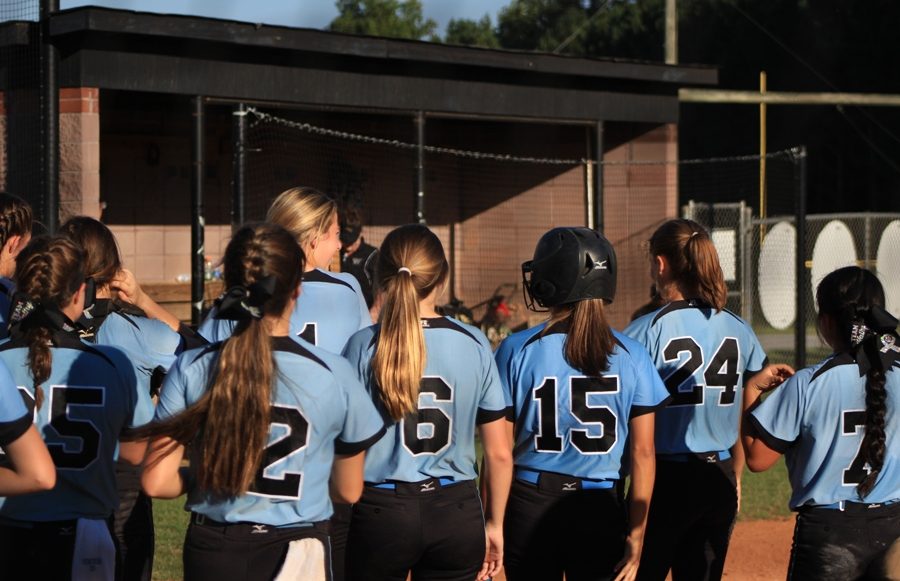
(703,354)
(330,309)
(836,423)
(15,232)
(435,378)
(583,396)
(332,306)
(151,344)
(27,466)
(84,397)
(271,419)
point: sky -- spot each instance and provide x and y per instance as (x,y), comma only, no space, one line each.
(296,13)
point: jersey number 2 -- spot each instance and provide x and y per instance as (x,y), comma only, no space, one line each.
(722,371)
(289,484)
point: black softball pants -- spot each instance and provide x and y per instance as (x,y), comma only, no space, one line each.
(435,535)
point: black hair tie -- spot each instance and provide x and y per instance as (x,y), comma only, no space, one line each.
(241,303)
(877,335)
(25,314)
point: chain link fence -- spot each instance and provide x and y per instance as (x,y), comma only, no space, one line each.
(759,258)
(21,88)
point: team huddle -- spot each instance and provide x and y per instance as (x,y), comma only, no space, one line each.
(312,444)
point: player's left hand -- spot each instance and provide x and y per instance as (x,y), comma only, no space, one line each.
(627,568)
(493,556)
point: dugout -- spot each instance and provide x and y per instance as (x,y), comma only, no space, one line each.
(489,147)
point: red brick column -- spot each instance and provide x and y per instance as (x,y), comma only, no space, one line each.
(79,152)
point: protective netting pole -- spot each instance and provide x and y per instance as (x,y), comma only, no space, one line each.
(420,167)
(49,118)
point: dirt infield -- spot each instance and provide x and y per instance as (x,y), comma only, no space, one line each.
(759,551)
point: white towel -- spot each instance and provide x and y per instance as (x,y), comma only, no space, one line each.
(94,558)
(305,561)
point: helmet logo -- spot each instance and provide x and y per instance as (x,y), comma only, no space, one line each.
(600,265)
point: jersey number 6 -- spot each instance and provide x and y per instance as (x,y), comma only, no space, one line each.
(429,415)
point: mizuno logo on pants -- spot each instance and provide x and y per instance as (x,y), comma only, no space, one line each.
(567,486)
(427,486)
(259,530)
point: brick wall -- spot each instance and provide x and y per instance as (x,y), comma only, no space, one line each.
(79,152)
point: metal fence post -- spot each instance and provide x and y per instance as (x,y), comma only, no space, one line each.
(799,155)
(49,118)
(420,167)
(240,153)
(198,255)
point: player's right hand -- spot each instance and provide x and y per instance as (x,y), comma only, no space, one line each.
(771,376)
(493,555)
(627,568)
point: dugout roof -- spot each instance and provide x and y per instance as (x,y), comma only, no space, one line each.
(134,51)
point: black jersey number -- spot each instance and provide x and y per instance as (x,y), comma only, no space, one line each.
(721,372)
(295,439)
(80,445)
(549,439)
(429,416)
(852,424)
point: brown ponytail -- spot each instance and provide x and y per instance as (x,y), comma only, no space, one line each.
(48,272)
(411,264)
(233,413)
(15,217)
(693,260)
(101,260)
(589,340)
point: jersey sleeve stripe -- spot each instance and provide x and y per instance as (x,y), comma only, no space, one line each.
(777,444)
(12,431)
(640,410)
(352,448)
(487,416)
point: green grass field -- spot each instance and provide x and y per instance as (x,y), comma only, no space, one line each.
(765,496)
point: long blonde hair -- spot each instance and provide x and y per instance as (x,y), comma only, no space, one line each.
(411,264)
(233,414)
(693,259)
(304,212)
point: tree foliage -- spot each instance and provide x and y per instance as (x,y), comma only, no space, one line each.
(391,18)
(472,32)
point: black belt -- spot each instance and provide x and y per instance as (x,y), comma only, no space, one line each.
(253,529)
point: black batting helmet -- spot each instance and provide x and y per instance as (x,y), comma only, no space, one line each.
(569,265)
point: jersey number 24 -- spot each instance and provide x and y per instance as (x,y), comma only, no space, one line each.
(721,372)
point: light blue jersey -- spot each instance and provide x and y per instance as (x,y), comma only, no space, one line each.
(90,399)
(567,422)
(318,410)
(460,388)
(817,419)
(331,307)
(151,345)
(15,418)
(703,357)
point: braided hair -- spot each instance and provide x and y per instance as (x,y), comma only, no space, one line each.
(48,272)
(848,296)
(233,413)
